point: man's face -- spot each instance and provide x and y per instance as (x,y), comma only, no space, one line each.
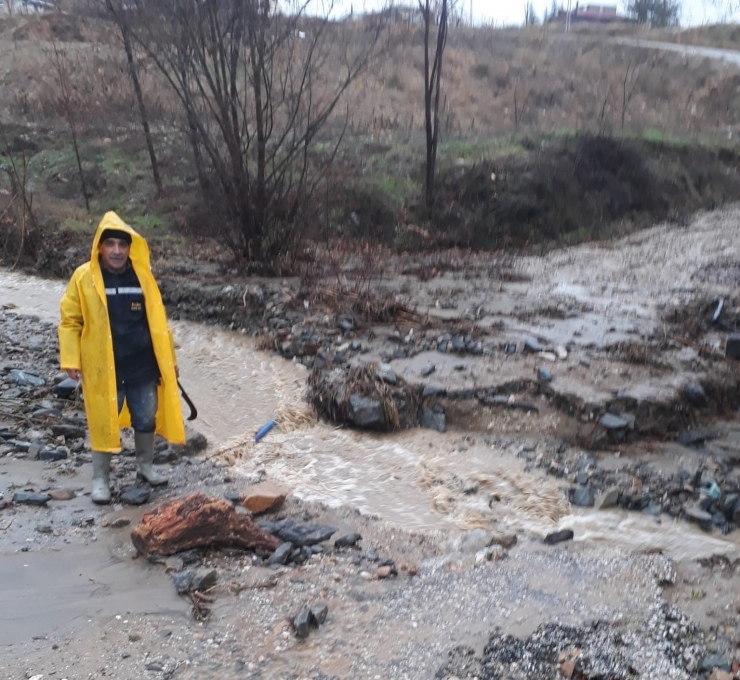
(114,254)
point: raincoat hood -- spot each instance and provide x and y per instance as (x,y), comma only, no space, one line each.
(139,247)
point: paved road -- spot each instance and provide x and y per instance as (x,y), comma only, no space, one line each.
(731,56)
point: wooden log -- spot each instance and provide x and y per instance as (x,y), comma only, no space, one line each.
(197,521)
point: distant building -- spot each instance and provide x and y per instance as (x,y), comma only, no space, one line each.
(595,14)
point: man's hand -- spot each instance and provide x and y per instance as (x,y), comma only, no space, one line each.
(74,373)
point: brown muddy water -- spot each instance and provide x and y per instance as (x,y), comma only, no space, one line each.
(413,479)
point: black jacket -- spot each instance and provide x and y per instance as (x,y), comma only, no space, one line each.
(134,356)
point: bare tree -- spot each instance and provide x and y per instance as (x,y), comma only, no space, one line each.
(68,105)
(629,83)
(9,7)
(256,87)
(432,84)
(530,16)
(117,12)
(655,13)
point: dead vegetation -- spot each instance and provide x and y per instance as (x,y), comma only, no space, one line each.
(334,395)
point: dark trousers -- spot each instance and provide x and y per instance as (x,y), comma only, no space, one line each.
(142,405)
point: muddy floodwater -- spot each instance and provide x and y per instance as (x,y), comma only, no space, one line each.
(416,482)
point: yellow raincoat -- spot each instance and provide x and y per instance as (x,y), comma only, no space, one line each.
(85,343)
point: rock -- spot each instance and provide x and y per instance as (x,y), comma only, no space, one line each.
(281,554)
(544,375)
(548,356)
(433,391)
(567,668)
(44,527)
(347,541)
(195,442)
(701,517)
(561,352)
(428,370)
(611,422)
(197,521)
(583,497)
(182,580)
(320,611)
(30,498)
(607,499)
(68,431)
(732,347)
(204,579)
(65,389)
(431,420)
(694,394)
(302,623)
(506,541)
(34,450)
(383,572)
(387,375)
(366,412)
(136,495)
(62,494)
(18,377)
(298,534)
(154,666)
(713,661)
(54,455)
(559,537)
(120,522)
(719,674)
(458,344)
(264,496)
(531,346)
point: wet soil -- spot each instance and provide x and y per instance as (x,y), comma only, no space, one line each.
(423,496)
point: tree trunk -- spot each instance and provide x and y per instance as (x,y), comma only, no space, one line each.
(133,72)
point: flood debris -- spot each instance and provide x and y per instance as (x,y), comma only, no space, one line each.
(197,521)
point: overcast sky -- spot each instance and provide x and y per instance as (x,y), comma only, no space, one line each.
(508,12)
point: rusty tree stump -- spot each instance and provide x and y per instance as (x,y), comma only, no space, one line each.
(197,521)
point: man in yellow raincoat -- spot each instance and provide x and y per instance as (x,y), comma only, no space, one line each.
(114,337)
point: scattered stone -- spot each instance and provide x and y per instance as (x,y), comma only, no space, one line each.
(319,612)
(264,496)
(298,534)
(432,391)
(120,522)
(68,431)
(281,554)
(607,499)
(204,579)
(44,527)
(719,674)
(386,374)
(302,623)
(701,517)
(30,498)
(548,356)
(561,352)
(506,541)
(233,497)
(136,495)
(531,346)
(62,494)
(694,394)
(195,442)
(713,661)
(583,497)
(197,521)
(53,455)
(154,666)
(732,348)
(611,422)
(567,668)
(544,375)
(65,389)
(18,377)
(559,537)
(366,412)
(383,572)
(431,420)
(183,580)
(348,541)
(428,370)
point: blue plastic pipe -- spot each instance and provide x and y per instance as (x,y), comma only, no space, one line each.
(264,430)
